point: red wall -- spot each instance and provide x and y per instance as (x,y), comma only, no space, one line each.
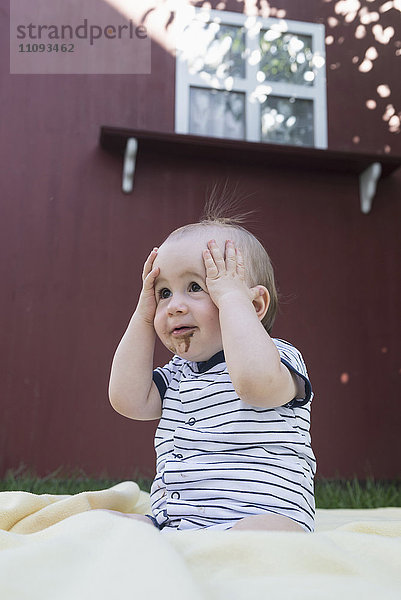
(72,248)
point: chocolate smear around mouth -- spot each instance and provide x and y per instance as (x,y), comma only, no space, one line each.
(181,343)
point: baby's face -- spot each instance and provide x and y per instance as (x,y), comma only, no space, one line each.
(186,319)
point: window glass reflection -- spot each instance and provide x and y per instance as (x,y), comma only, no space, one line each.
(216,49)
(287,121)
(286,57)
(217,113)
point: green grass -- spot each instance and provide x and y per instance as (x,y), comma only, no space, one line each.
(353,493)
(62,482)
(369,493)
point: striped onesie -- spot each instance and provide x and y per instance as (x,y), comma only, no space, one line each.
(220,459)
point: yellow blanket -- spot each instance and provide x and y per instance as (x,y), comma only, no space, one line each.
(74,552)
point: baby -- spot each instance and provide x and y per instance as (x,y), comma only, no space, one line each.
(233,445)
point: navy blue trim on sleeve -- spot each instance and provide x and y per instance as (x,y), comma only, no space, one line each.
(160,383)
(308,387)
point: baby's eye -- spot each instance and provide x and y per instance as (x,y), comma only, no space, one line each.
(164,293)
(195,287)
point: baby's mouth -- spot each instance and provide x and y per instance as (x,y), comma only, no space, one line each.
(182,331)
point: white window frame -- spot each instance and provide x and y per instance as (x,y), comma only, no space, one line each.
(316,92)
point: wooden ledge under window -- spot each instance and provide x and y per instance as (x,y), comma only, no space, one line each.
(369,167)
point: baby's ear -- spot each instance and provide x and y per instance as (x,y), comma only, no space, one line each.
(261,300)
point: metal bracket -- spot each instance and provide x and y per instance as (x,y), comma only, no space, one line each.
(129,165)
(368,184)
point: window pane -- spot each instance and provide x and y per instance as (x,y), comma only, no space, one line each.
(286,57)
(217,113)
(215,49)
(287,121)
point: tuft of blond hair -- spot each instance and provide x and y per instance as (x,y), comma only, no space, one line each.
(221,209)
(223,206)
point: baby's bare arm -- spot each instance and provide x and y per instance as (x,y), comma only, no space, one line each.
(131,389)
(252,358)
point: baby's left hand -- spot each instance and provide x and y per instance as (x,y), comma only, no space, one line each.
(226,275)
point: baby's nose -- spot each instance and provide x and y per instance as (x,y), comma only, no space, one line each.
(176,305)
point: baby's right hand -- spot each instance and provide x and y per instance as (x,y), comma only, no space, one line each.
(147,300)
